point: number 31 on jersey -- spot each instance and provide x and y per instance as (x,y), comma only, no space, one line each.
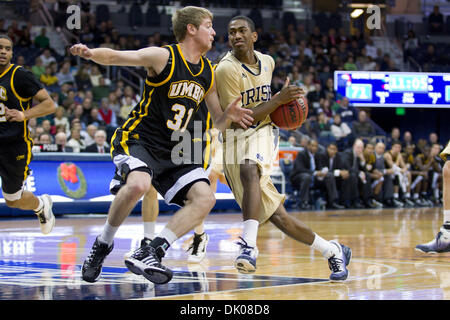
(180,110)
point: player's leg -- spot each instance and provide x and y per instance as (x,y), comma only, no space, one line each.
(442,241)
(198,202)
(13,173)
(136,185)
(150,211)
(338,255)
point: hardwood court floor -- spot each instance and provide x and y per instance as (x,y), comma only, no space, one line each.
(384,264)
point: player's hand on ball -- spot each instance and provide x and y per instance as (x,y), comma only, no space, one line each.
(14,115)
(289,93)
(242,116)
(81,50)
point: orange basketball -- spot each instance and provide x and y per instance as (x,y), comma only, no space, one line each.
(291,115)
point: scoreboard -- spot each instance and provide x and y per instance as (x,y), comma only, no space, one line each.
(394,89)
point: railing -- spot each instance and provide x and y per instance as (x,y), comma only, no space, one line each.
(45,14)
(128,81)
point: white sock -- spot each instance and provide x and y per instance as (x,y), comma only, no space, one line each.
(325,247)
(40,205)
(446,216)
(200,229)
(149,229)
(396,195)
(416,196)
(168,235)
(250,232)
(108,233)
(407,195)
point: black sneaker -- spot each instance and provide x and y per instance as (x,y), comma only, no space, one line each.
(144,261)
(144,242)
(92,266)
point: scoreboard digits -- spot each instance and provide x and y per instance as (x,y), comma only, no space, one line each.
(394,89)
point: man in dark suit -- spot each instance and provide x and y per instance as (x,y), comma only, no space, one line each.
(61,140)
(307,174)
(360,181)
(100,145)
(331,163)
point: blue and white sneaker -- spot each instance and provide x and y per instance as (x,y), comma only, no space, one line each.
(439,245)
(246,260)
(338,263)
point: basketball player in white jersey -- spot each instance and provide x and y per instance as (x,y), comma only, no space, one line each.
(248,155)
(442,241)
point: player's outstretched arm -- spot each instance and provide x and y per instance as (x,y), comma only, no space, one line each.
(45,106)
(233,113)
(150,57)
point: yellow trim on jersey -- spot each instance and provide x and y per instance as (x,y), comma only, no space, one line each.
(12,86)
(26,137)
(212,76)
(170,74)
(4,72)
(208,143)
(187,66)
(123,143)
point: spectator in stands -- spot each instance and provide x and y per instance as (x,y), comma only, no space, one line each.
(49,79)
(305,172)
(100,145)
(436,21)
(61,120)
(45,138)
(363,128)
(341,132)
(402,177)
(348,113)
(407,139)
(106,114)
(129,92)
(38,69)
(125,109)
(64,75)
(325,107)
(328,90)
(95,75)
(419,178)
(350,63)
(360,182)
(94,118)
(82,78)
(47,57)
(25,38)
(20,60)
(410,45)
(387,194)
(434,139)
(114,102)
(101,91)
(75,140)
(61,140)
(107,43)
(89,139)
(42,41)
(2,26)
(395,137)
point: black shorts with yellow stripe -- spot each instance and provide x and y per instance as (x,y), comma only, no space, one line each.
(171,180)
(15,158)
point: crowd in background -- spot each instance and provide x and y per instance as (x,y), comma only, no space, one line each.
(90,106)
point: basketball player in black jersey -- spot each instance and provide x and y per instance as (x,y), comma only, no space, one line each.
(178,79)
(18,87)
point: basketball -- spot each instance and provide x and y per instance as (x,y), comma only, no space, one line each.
(290,115)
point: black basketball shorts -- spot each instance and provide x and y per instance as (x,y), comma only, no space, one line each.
(171,180)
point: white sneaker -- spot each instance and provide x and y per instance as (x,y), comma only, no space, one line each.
(246,260)
(197,250)
(45,215)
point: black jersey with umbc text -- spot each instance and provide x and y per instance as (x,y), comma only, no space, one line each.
(18,86)
(170,101)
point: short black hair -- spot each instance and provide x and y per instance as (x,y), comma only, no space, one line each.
(4,36)
(250,22)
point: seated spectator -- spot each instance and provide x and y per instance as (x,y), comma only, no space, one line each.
(386,195)
(95,75)
(61,120)
(129,92)
(100,143)
(64,75)
(42,41)
(350,64)
(38,69)
(82,78)
(45,138)
(341,132)
(106,114)
(395,137)
(434,139)
(114,103)
(416,165)
(402,177)
(125,109)
(89,139)
(410,45)
(95,118)
(362,128)
(360,182)
(49,79)
(436,21)
(75,141)
(61,140)
(348,113)
(304,173)
(101,91)
(407,139)
(47,58)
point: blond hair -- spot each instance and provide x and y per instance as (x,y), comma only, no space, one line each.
(188,15)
